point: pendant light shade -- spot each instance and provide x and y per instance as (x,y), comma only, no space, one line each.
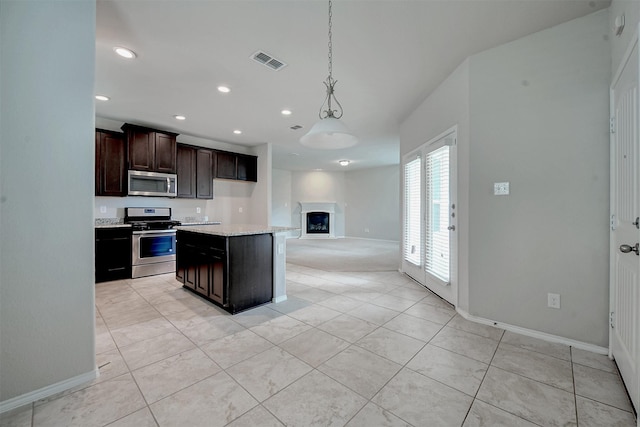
(329,134)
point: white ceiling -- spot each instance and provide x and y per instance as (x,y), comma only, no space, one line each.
(387,57)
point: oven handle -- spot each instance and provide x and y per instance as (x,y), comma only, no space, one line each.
(152,232)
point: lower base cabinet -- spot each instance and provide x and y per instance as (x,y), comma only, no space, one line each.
(234,272)
(113,254)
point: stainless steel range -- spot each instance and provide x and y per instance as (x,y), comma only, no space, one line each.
(154,241)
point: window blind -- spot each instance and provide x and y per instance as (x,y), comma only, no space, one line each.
(437,218)
(412,201)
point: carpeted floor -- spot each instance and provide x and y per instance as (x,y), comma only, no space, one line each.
(344,254)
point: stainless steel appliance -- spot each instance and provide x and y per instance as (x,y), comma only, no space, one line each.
(153,244)
(152,184)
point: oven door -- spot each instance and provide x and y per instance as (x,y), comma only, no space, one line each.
(150,247)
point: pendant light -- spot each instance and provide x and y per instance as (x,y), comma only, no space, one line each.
(329,133)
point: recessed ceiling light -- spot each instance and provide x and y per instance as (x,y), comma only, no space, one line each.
(344,162)
(124,52)
(179,117)
(224,89)
(102,98)
(286,112)
(237,131)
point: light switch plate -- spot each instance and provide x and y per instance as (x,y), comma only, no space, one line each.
(501,188)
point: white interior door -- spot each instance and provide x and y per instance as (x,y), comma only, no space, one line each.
(625,233)
(429,238)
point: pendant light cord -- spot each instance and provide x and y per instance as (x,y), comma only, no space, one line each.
(330,83)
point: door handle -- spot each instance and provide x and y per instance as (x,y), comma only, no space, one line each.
(625,249)
(451,227)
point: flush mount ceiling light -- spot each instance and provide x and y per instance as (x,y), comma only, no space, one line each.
(179,117)
(285,112)
(102,98)
(224,89)
(329,133)
(344,162)
(237,131)
(124,52)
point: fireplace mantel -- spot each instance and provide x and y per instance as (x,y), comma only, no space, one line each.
(327,207)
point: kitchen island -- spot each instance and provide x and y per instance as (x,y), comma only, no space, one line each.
(237,267)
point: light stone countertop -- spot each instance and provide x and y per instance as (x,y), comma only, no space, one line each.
(233,230)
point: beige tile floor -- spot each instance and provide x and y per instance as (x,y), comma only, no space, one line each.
(355,349)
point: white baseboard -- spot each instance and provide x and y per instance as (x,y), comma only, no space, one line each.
(535,334)
(369,238)
(279,299)
(50,390)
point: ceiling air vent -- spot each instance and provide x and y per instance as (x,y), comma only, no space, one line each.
(295,127)
(268,60)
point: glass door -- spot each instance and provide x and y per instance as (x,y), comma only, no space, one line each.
(429,215)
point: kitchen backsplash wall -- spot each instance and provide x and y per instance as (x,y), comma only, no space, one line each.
(232,204)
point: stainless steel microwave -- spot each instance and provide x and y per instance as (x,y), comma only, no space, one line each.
(152,184)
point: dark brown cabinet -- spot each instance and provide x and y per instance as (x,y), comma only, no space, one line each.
(247,167)
(234,272)
(194,168)
(226,165)
(242,167)
(151,150)
(113,254)
(186,167)
(110,168)
(204,178)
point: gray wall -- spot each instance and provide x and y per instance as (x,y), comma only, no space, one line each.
(535,113)
(373,203)
(366,198)
(46,193)
(446,107)
(539,119)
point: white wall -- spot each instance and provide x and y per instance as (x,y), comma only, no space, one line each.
(46,200)
(319,186)
(281,199)
(539,120)
(446,107)
(373,203)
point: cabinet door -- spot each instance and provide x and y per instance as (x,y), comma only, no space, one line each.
(141,150)
(113,254)
(202,274)
(247,168)
(164,153)
(204,179)
(186,167)
(216,279)
(226,165)
(110,164)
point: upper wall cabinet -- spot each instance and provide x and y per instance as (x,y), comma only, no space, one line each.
(151,150)
(195,179)
(247,167)
(241,167)
(111,163)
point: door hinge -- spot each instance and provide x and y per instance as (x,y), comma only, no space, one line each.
(611,325)
(612,124)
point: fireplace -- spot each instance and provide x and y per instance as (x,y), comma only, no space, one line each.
(318,222)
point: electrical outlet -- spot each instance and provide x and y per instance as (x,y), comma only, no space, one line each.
(103,209)
(366,230)
(553,300)
(198,210)
(240,210)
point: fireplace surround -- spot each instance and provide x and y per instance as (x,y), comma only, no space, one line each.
(317,220)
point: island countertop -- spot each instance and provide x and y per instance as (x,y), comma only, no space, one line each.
(233,229)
